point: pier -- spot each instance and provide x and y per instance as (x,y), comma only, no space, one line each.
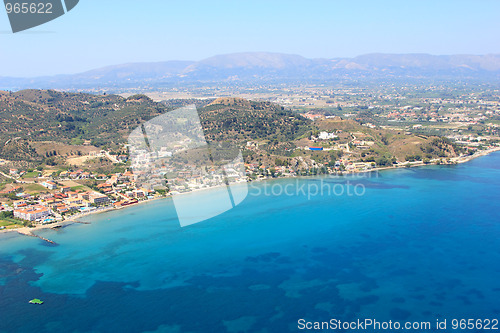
(82,222)
(27,232)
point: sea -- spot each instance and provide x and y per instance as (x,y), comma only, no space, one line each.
(411,245)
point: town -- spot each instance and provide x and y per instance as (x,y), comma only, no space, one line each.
(62,197)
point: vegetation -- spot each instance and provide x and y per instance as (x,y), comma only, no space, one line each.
(58,130)
(47,115)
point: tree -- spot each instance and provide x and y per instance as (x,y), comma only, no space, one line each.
(272,171)
(383,161)
(6,214)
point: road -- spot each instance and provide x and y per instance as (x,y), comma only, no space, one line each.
(111,157)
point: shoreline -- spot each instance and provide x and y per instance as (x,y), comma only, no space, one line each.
(74,219)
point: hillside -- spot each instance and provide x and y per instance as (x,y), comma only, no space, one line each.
(241,121)
(47,115)
(31,116)
(388,143)
(59,128)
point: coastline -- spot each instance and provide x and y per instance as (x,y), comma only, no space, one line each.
(454,160)
(74,219)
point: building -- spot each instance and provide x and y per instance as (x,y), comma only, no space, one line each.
(65,189)
(32,213)
(326,136)
(20,203)
(12,190)
(85,175)
(73,201)
(84,195)
(98,198)
(139,193)
(49,184)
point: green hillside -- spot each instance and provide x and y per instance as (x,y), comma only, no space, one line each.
(51,127)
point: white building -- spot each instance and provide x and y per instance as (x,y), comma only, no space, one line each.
(49,184)
(326,136)
(31,213)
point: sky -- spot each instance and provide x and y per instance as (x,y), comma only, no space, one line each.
(98,33)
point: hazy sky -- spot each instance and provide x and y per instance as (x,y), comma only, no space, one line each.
(97,33)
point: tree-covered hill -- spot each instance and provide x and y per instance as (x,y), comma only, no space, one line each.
(241,120)
(29,117)
(107,120)
(47,115)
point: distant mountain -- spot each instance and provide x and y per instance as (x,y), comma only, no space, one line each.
(270,67)
(112,76)
(135,71)
(427,62)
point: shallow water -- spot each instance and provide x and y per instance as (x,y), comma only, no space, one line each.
(421,244)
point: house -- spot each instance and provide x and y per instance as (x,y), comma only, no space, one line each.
(49,184)
(73,201)
(128,175)
(105,187)
(313,116)
(12,190)
(326,136)
(85,175)
(62,208)
(20,203)
(98,198)
(72,194)
(52,201)
(65,189)
(32,213)
(84,195)
(139,193)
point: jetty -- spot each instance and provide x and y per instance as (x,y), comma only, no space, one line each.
(82,222)
(27,232)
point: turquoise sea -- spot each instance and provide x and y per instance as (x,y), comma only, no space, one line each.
(419,244)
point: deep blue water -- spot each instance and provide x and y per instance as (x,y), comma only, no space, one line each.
(419,245)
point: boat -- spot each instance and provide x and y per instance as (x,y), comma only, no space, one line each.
(36,301)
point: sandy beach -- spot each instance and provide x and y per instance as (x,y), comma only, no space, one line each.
(75,218)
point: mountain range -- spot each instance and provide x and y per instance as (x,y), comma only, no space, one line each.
(261,67)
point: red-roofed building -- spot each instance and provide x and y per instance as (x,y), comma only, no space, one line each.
(31,213)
